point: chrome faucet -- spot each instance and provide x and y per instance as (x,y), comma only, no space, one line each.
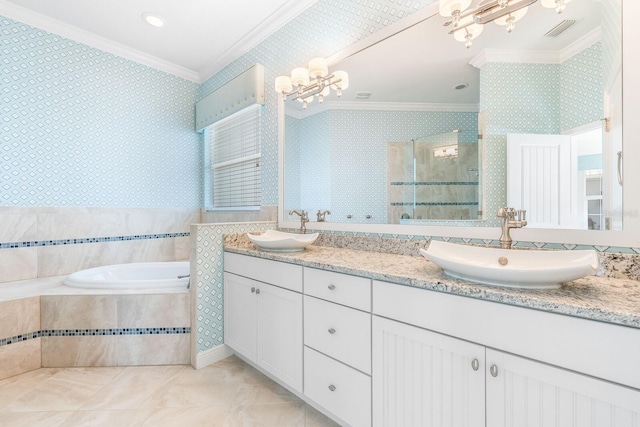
(321,215)
(509,221)
(304,219)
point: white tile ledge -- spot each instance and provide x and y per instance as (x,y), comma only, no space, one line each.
(20,289)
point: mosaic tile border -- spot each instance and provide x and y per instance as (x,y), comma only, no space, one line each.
(434,204)
(82,240)
(436,183)
(90,332)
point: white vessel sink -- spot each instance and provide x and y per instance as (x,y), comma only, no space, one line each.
(279,241)
(531,269)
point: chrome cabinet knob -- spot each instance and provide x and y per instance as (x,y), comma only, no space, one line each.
(475,364)
(257,291)
(331,287)
(332,331)
(253,290)
(332,387)
(493,370)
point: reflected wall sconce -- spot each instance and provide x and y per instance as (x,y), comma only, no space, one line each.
(306,83)
(468,23)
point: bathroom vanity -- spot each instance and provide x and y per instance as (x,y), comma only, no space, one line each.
(388,340)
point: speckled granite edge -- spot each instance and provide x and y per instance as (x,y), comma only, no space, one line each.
(604,299)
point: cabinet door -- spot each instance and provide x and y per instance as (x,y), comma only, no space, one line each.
(425,379)
(522,392)
(279,327)
(240,314)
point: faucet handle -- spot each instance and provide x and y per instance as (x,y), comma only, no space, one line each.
(522,215)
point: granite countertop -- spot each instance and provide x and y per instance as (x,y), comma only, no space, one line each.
(596,298)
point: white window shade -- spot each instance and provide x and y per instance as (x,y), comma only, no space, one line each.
(233,146)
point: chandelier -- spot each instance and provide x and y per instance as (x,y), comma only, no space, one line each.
(468,24)
(306,83)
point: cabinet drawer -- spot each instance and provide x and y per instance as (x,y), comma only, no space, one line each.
(340,332)
(288,276)
(341,390)
(337,287)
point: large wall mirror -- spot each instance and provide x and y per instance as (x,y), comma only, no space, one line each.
(431,133)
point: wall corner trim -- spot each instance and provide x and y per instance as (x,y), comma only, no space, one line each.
(211,356)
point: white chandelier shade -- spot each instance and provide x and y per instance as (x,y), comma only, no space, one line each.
(315,80)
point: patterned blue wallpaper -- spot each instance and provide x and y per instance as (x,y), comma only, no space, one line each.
(581,88)
(81,127)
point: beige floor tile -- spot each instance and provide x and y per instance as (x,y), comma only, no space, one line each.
(133,388)
(213,385)
(267,415)
(209,416)
(228,393)
(33,419)
(315,418)
(65,390)
(119,418)
(258,389)
(14,387)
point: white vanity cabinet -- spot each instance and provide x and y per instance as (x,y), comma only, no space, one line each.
(263,321)
(337,339)
(421,378)
(422,375)
(525,392)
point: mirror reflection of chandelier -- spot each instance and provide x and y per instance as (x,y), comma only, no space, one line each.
(468,23)
(315,80)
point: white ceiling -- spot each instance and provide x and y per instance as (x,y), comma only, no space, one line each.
(199,38)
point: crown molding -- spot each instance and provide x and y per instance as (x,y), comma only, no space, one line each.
(584,42)
(537,56)
(34,19)
(267,27)
(380,106)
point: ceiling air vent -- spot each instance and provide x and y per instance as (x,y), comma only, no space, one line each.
(560,28)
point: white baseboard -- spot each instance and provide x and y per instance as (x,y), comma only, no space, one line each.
(213,355)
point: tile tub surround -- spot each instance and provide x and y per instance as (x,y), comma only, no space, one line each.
(50,241)
(91,330)
(596,298)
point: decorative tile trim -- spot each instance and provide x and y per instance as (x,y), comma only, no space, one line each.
(39,243)
(434,204)
(88,332)
(436,183)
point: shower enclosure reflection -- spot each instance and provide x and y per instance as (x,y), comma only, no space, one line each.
(434,177)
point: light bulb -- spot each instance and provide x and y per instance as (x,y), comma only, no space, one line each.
(341,79)
(300,76)
(468,33)
(283,84)
(558,5)
(510,19)
(326,91)
(318,68)
(450,7)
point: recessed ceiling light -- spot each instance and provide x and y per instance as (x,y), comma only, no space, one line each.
(461,86)
(153,19)
(363,95)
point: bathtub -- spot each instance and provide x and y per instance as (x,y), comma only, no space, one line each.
(146,275)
